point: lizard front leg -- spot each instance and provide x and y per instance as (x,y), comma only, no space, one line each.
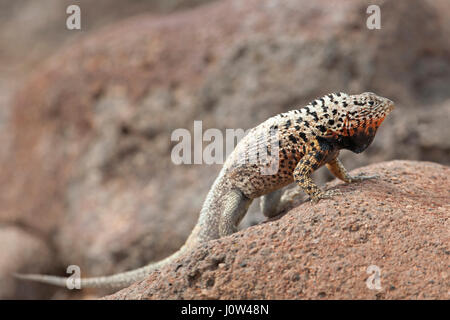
(271,204)
(313,160)
(338,170)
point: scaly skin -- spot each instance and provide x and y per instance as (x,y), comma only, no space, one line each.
(305,139)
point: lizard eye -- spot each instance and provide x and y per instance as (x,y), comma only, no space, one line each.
(371,102)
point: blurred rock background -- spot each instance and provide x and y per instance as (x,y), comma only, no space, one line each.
(86,116)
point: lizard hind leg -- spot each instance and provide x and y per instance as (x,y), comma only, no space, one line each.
(234,207)
(270,203)
(273,203)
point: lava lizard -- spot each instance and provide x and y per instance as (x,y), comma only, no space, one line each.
(306,139)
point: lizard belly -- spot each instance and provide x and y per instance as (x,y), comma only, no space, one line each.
(255,180)
(255,185)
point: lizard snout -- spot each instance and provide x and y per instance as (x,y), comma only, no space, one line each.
(390,105)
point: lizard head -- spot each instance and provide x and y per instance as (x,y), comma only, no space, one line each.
(367,110)
(359,119)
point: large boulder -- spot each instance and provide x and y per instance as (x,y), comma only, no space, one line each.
(395,227)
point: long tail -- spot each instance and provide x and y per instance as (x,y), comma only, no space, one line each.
(119,280)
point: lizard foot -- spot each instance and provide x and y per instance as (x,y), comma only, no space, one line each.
(326,195)
(362,177)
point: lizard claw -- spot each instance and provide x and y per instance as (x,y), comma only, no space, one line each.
(362,177)
(326,195)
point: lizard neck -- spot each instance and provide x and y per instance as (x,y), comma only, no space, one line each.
(356,143)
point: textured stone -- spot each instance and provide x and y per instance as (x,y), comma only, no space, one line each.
(399,223)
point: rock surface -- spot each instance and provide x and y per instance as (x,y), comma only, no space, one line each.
(399,223)
(86,159)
